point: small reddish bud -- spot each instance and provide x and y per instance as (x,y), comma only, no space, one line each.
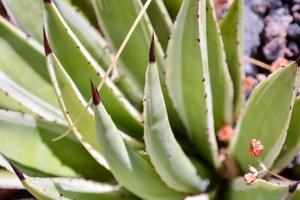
(255,148)
(225,133)
(249,178)
(249,83)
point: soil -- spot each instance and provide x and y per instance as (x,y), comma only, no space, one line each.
(272,31)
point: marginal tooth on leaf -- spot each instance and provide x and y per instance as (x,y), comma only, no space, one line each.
(152,57)
(47,1)
(47,47)
(293,186)
(17,172)
(95,93)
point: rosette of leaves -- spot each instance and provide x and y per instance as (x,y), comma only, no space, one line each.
(152,130)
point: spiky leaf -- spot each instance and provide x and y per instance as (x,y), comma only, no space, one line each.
(266,118)
(75,60)
(188,79)
(129,168)
(260,190)
(28,143)
(221,84)
(232,33)
(292,141)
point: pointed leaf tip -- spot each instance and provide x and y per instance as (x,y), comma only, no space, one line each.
(293,186)
(152,57)
(95,93)
(46,44)
(47,1)
(17,172)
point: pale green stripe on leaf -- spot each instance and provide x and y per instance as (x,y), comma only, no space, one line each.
(22,60)
(28,142)
(86,9)
(161,21)
(292,142)
(128,167)
(99,50)
(232,34)
(188,79)
(69,189)
(135,54)
(260,190)
(266,118)
(28,15)
(74,104)
(116,18)
(168,158)
(7,102)
(76,60)
(33,103)
(221,84)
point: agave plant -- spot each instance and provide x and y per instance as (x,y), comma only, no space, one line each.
(169,124)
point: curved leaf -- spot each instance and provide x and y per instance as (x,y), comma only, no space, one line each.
(28,143)
(221,84)
(232,34)
(161,21)
(69,189)
(75,60)
(260,190)
(129,168)
(188,79)
(266,118)
(99,49)
(168,158)
(29,66)
(28,100)
(123,13)
(28,15)
(292,141)
(73,104)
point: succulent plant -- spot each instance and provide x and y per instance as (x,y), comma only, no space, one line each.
(171,122)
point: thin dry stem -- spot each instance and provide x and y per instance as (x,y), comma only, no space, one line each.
(257,63)
(113,63)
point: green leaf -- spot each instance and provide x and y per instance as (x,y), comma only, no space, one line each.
(128,167)
(75,60)
(173,6)
(168,158)
(72,103)
(292,141)
(9,103)
(99,49)
(28,15)
(86,7)
(260,190)
(161,21)
(69,189)
(135,54)
(232,33)
(29,67)
(28,143)
(36,105)
(123,13)
(221,84)
(188,78)
(266,118)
